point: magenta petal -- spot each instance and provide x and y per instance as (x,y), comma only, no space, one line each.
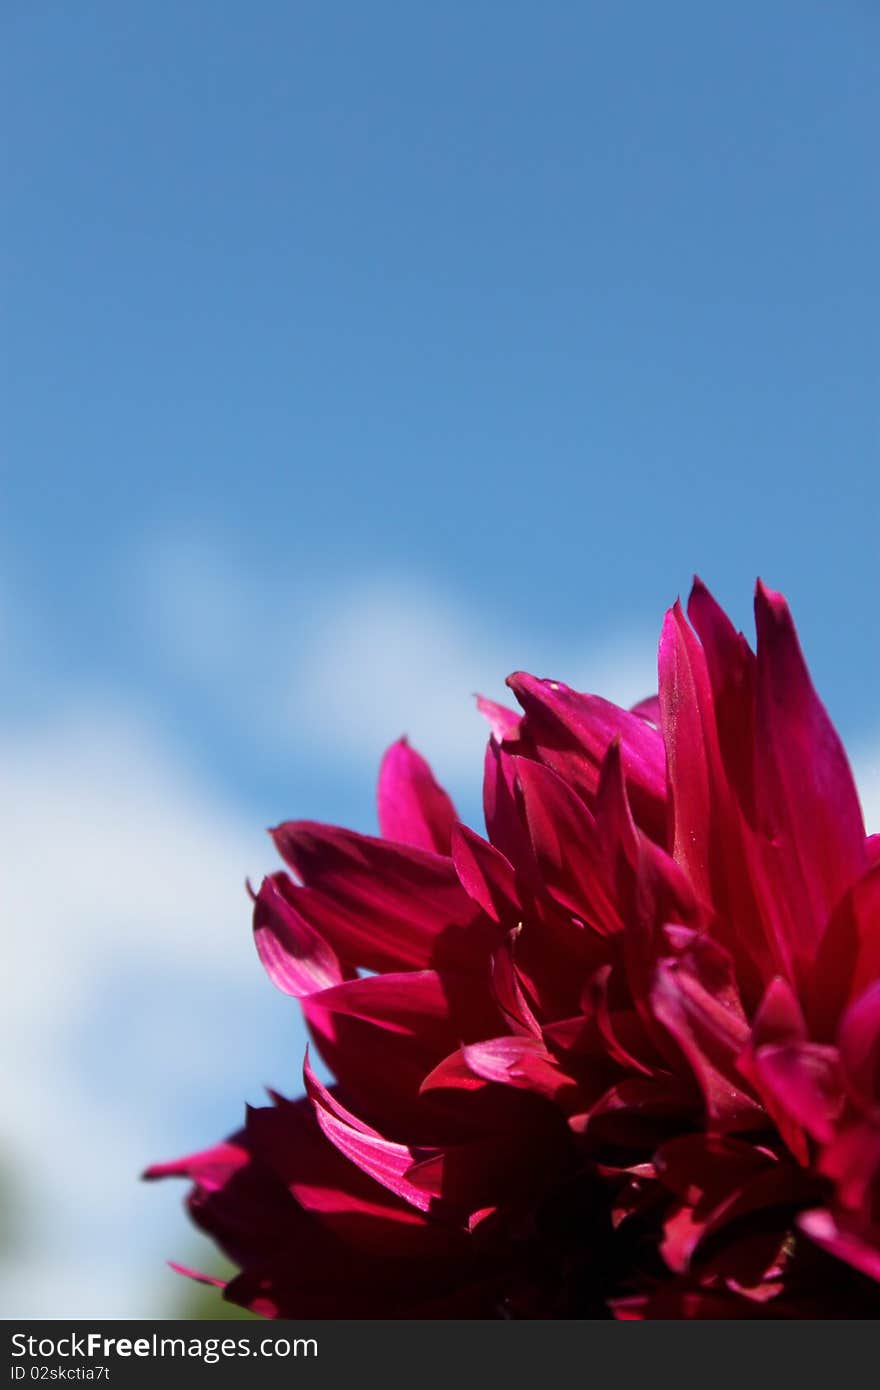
(286,1138)
(503,722)
(691,997)
(621,1029)
(381,905)
(543,1041)
(648,709)
(452,1074)
(511,1166)
(848,958)
(805,1079)
(380,1035)
(209,1168)
(852,1162)
(779,1022)
(806,793)
(504,822)
(860,1050)
(523,1063)
(822,1227)
(486,875)
(702,1170)
(636,1106)
(295,957)
(199,1278)
(779,1019)
(413,807)
(565,845)
(707,690)
(688,727)
(507,989)
(572,734)
(731,666)
(412,1004)
(381,1159)
(615,826)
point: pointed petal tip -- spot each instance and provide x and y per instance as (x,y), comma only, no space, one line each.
(503,722)
(773,616)
(413,808)
(208,1279)
(402,741)
(769,598)
(612,762)
(699,594)
(704,609)
(673,614)
(166,1168)
(523,682)
(171,1168)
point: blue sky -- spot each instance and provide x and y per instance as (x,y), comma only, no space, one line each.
(357,354)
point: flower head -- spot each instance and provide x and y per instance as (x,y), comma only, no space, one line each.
(620,1056)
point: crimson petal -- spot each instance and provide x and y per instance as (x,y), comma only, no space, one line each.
(413,807)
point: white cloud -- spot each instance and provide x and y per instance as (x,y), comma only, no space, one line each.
(341,674)
(387,659)
(77,1290)
(133,985)
(138,1018)
(867,772)
(135,990)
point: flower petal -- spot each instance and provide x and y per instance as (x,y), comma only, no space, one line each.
(295,957)
(572,733)
(859,1042)
(523,1063)
(804,1078)
(379,1158)
(566,848)
(848,958)
(822,1227)
(687,722)
(413,808)
(694,997)
(805,790)
(503,722)
(381,905)
(486,875)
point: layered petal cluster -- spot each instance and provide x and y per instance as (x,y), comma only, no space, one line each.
(618,1057)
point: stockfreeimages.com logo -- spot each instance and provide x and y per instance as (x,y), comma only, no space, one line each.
(94,1346)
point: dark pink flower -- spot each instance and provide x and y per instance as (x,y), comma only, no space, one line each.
(620,1056)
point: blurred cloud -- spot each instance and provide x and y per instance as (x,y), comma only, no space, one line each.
(139,1018)
(122,882)
(339,674)
(387,659)
(867,770)
(439,318)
